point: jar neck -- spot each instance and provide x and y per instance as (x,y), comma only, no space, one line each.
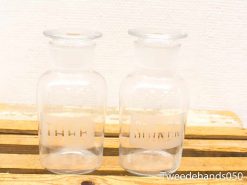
(72,55)
(154,55)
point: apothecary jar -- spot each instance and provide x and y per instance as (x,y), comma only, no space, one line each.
(71,101)
(153,106)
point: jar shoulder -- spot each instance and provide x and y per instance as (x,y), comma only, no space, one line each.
(152,92)
(134,80)
(92,78)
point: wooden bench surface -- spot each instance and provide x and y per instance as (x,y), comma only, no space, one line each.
(207,150)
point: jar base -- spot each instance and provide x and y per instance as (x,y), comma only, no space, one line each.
(148,174)
(79,172)
(71,162)
(150,162)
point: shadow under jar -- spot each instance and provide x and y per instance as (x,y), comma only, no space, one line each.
(153,106)
(71,100)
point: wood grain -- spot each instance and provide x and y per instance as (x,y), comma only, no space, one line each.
(21,119)
(112,130)
(19,163)
(30,179)
(208,150)
(216,118)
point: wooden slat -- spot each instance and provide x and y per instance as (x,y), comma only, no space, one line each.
(206,147)
(217,118)
(194,132)
(16,179)
(110,164)
(8,139)
(19,149)
(216,133)
(21,144)
(221,118)
(19,127)
(17,118)
(112,130)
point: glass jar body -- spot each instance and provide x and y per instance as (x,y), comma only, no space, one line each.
(71,110)
(153,107)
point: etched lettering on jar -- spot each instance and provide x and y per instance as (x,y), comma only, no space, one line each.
(67,132)
(156,135)
(146,138)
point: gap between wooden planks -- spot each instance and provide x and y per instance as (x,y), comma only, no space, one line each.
(20,179)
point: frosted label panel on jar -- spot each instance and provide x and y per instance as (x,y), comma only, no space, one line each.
(68,130)
(157,131)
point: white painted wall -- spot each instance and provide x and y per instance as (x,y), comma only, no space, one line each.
(214,56)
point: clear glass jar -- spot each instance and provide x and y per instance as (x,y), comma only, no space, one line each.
(153,106)
(71,100)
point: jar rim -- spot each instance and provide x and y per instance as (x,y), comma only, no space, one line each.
(72,34)
(159,34)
